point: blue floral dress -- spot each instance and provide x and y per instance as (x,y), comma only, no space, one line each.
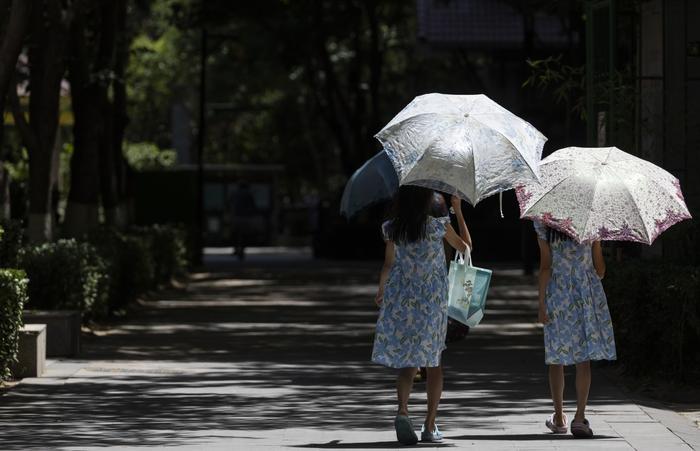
(580,327)
(412,320)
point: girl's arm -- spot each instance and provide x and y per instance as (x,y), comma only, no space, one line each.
(543,278)
(598,260)
(463,230)
(455,240)
(384,274)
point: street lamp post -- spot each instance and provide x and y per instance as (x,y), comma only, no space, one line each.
(201,136)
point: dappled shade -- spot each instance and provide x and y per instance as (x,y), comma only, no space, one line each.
(251,350)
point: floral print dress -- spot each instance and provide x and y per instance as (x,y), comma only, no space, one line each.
(579,327)
(412,320)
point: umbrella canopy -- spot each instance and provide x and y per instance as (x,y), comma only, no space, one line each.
(603,193)
(466,145)
(376,180)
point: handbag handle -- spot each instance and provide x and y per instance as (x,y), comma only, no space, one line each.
(459,257)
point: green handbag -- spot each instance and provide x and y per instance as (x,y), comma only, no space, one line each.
(468,287)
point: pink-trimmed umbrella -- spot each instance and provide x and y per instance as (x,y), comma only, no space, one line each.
(603,193)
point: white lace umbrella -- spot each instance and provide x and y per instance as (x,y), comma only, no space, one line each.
(466,145)
(603,193)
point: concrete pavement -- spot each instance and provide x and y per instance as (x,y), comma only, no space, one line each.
(273,354)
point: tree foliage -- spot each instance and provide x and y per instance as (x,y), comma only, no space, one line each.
(305,84)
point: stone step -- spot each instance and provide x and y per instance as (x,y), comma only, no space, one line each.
(31,358)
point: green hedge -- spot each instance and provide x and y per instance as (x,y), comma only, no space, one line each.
(655,308)
(102,274)
(66,274)
(168,248)
(130,265)
(13,296)
(140,259)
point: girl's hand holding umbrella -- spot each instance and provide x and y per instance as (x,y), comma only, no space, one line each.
(456,203)
(463,230)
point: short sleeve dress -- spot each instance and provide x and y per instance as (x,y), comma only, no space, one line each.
(412,321)
(580,328)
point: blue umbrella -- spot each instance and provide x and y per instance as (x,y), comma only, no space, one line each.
(375,181)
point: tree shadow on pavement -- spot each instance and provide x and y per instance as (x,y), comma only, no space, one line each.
(337,444)
(529,437)
(261,350)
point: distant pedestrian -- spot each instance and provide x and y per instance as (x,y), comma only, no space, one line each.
(412,297)
(244,211)
(577,324)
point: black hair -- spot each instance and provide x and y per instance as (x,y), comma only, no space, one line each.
(410,214)
(555,236)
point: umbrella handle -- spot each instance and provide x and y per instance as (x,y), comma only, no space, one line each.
(500,203)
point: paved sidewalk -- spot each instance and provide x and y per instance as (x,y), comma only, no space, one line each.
(275,356)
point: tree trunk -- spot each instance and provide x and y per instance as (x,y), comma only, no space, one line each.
(117,215)
(46,60)
(82,211)
(4,192)
(10,47)
(376,64)
(92,132)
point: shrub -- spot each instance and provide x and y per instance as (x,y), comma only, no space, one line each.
(66,274)
(10,243)
(129,263)
(656,314)
(146,155)
(168,248)
(13,296)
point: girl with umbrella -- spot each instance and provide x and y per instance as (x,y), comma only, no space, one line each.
(577,324)
(466,145)
(585,196)
(412,297)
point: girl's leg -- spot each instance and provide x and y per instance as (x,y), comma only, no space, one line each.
(404,383)
(556,387)
(434,389)
(583,386)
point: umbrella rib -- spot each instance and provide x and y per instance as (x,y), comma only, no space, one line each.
(473,174)
(527,163)
(634,201)
(665,191)
(652,180)
(392,126)
(590,208)
(381,140)
(547,192)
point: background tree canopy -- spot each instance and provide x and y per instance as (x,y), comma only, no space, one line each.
(301,83)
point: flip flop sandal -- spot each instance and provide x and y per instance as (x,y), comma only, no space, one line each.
(581,429)
(404,430)
(552,425)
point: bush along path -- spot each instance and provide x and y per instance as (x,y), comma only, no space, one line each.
(13,296)
(97,276)
(276,356)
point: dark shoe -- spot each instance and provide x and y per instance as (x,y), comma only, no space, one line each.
(404,430)
(581,429)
